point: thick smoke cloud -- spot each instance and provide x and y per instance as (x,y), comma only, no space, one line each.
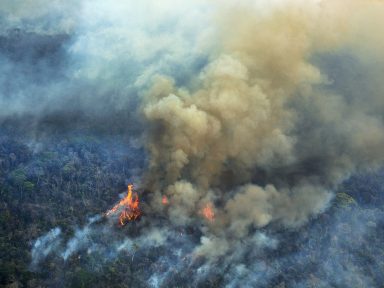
(264,132)
(82,65)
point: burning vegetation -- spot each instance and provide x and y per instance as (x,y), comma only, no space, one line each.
(129,207)
(208,212)
(164,200)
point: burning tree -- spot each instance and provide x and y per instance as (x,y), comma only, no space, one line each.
(129,207)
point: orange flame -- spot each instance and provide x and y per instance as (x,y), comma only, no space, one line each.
(208,212)
(130,205)
(164,200)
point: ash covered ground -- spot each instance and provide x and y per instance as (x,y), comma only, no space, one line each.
(252,131)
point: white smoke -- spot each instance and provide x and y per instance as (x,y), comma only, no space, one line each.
(45,245)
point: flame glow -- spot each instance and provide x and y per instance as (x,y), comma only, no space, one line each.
(208,212)
(130,206)
(164,200)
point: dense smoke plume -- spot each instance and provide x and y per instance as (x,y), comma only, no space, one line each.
(257,108)
(263,131)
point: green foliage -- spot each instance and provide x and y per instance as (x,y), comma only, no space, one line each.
(4,192)
(6,272)
(5,216)
(83,279)
(48,155)
(18,176)
(343,200)
(28,186)
(55,186)
(69,168)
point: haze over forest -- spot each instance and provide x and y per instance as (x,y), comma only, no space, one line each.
(252,133)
